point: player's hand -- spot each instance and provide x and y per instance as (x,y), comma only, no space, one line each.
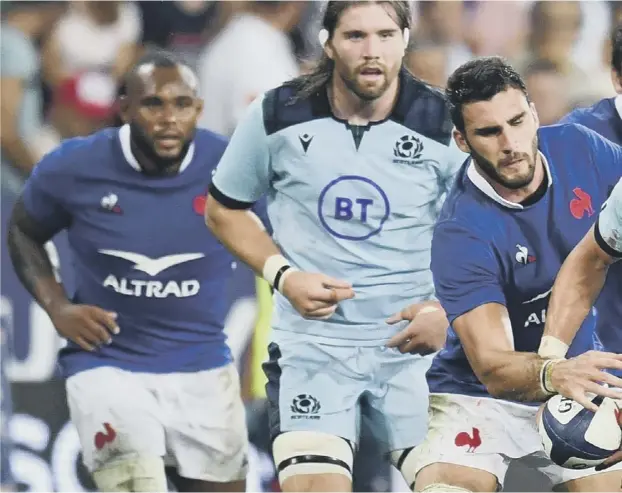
(426,332)
(611,461)
(315,296)
(86,325)
(577,377)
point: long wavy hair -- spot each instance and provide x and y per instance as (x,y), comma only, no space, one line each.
(311,82)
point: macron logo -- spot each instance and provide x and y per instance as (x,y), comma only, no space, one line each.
(153,266)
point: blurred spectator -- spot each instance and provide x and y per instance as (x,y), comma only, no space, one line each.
(593,33)
(252,53)
(555,29)
(21,102)
(487,36)
(91,47)
(546,90)
(182,26)
(428,62)
(443,23)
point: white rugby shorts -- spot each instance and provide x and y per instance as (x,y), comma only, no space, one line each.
(195,421)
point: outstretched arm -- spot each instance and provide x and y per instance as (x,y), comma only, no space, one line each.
(576,288)
(486,337)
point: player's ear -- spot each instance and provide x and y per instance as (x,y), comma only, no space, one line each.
(461,141)
(406,36)
(124,108)
(534,112)
(324,39)
(616,79)
(198,104)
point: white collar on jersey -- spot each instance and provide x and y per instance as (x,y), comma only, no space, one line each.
(124,138)
(618,102)
(480,182)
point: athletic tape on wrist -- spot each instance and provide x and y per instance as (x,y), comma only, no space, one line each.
(552,347)
(275,271)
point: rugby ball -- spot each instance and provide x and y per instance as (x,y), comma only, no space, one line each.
(576,438)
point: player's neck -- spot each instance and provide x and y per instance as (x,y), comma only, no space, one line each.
(519,195)
(348,106)
(150,166)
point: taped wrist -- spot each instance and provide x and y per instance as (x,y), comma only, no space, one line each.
(552,347)
(275,271)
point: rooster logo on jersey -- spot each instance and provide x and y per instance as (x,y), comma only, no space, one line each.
(581,204)
(522,256)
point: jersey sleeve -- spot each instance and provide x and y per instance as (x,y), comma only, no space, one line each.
(465,271)
(606,156)
(243,173)
(44,194)
(608,229)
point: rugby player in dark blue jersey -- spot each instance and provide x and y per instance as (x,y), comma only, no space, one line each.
(150,379)
(518,207)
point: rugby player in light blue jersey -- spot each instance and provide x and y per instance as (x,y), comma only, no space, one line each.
(355,159)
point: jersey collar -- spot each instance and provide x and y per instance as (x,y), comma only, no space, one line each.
(479,181)
(124,138)
(618,102)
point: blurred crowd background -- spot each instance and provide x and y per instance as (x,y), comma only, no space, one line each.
(62,62)
(62,68)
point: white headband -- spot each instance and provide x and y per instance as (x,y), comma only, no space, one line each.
(323,36)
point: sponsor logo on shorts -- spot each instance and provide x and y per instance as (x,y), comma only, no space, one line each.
(305,406)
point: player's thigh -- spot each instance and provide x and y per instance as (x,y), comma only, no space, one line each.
(115,415)
(465,445)
(206,424)
(586,479)
(398,406)
(313,393)
(399,398)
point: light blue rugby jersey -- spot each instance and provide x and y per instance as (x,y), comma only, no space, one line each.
(356,203)
(608,228)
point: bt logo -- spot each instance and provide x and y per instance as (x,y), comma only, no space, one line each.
(353,208)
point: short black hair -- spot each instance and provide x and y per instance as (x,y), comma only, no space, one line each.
(156,57)
(616,50)
(480,79)
(159,58)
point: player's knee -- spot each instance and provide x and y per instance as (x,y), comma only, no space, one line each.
(308,452)
(138,473)
(405,462)
(446,488)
